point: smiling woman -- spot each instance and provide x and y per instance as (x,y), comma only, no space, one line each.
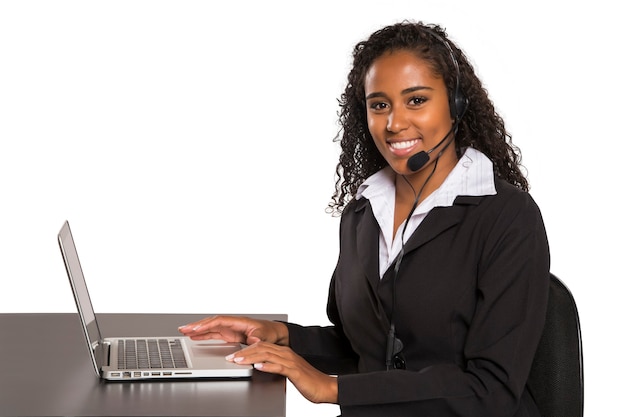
(408,113)
(444,317)
(406,106)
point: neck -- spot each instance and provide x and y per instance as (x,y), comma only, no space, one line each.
(427,179)
(412,190)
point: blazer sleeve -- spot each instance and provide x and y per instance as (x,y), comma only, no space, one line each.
(511,290)
(325,347)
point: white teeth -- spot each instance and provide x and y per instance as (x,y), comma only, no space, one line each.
(402,145)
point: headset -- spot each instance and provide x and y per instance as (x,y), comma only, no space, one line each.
(458,102)
(458,107)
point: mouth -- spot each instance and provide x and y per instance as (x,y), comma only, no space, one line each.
(402,147)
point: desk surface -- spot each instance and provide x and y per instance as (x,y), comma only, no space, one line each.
(45,370)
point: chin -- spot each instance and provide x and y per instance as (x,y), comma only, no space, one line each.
(401,168)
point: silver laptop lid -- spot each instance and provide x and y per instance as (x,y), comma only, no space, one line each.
(81,296)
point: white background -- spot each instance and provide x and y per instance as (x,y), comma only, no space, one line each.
(190,145)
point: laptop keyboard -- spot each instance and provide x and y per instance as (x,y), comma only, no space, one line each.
(150,354)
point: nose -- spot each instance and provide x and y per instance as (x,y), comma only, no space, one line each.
(397,120)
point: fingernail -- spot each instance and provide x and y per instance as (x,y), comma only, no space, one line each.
(239,359)
(258,366)
(230,357)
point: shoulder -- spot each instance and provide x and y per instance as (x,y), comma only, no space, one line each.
(509,207)
(513,207)
(356,205)
(508,195)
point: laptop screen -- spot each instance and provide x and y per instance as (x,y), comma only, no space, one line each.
(81,295)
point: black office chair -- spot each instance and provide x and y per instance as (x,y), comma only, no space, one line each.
(556,376)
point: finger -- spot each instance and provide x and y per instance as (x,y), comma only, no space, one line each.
(225,328)
(263,352)
(270,368)
(194,326)
(208,325)
(273,364)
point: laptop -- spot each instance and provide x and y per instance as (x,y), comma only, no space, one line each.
(138,358)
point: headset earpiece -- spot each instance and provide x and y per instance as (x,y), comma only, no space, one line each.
(458,106)
(458,102)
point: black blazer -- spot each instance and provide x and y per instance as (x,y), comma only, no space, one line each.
(471,297)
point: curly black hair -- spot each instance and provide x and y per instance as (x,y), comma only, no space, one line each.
(480,127)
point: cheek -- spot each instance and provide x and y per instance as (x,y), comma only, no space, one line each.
(376,126)
(370,123)
(379,142)
(435,122)
(378,136)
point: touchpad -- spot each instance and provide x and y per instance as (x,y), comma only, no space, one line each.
(211,348)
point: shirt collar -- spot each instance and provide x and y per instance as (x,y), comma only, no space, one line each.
(472,175)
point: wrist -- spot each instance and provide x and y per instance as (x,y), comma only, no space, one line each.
(333,387)
(282,333)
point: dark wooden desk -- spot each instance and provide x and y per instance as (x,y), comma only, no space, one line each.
(45,370)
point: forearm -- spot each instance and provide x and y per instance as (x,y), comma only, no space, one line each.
(324,347)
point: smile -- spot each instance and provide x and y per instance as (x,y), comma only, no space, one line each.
(403,145)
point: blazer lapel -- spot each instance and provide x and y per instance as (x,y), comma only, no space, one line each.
(367,232)
(439,220)
(436,222)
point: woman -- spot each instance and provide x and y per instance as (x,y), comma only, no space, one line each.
(440,291)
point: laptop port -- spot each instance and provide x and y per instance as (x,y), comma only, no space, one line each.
(126,374)
(137,374)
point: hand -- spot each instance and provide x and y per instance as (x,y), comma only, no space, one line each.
(237,329)
(314,385)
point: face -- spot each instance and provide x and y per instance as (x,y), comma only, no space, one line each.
(407,108)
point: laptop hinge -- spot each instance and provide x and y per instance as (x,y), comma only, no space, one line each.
(106,353)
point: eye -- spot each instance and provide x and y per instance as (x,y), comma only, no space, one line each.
(378,106)
(417,101)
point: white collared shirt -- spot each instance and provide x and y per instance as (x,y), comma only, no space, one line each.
(473,176)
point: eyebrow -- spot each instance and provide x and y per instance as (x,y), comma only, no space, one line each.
(405,91)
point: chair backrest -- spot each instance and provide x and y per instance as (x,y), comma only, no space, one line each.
(556,376)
